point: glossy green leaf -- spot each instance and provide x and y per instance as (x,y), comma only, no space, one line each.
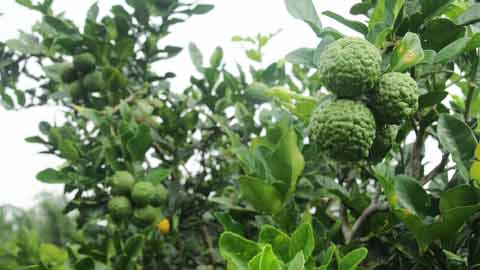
(302,239)
(264,197)
(458,47)
(355,25)
(470,16)
(440,32)
(432,8)
(158,175)
(302,56)
(26,43)
(265,260)
(279,241)
(305,10)
(407,53)
(352,259)
(51,176)
(297,263)
(196,56)
(140,143)
(52,255)
(458,139)
(229,224)
(238,250)
(217,57)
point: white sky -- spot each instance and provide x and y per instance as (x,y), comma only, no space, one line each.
(19,161)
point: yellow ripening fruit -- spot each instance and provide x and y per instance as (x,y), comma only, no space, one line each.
(163,226)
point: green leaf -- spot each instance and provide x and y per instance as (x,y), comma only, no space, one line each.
(440,32)
(61,25)
(229,223)
(265,260)
(459,140)
(408,53)
(459,196)
(158,175)
(298,263)
(458,47)
(92,13)
(264,197)
(202,9)
(216,58)
(353,259)
(305,10)
(302,56)
(355,25)
(302,239)
(26,43)
(196,56)
(279,241)
(140,143)
(68,150)
(475,171)
(238,250)
(470,16)
(51,176)
(328,257)
(52,255)
(286,161)
(134,246)
(254,55)
(431,8)
(378,34)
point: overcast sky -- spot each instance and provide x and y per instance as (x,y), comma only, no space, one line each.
(19,161)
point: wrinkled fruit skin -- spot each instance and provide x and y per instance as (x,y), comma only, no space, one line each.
(161,195)
(69,74)
(145,216)
(344,130)
(122,183)
(120,207)
(84,63)
(163,226)
(350,67)
(384,138)
(143,193)
(395,98)
(93,81)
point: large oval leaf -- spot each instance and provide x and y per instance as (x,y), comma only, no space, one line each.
(458,139)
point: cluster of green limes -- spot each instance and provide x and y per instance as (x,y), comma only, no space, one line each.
(82,77)
(139,200)
(360,120)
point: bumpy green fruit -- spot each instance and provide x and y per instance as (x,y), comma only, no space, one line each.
(69,74)
(145,216)
(384,138)
(120,207)
(343,130)
(122,183)
(161,195)
(84,63)
(350,67)
(143,193)
(395,98)
(93,81)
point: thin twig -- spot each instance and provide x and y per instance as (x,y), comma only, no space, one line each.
(373,208)
(437,170)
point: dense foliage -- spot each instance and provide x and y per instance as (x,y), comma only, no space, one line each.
(321,160)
